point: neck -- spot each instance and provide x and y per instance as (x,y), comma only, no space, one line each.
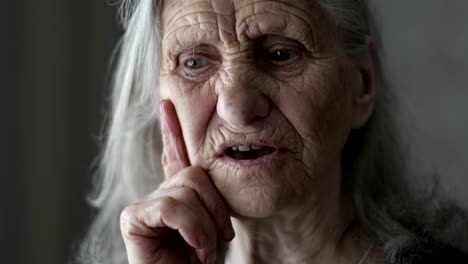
(319,231)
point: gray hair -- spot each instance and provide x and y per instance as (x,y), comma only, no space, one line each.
(130,165)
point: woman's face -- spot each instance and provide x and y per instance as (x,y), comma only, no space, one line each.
(265,95)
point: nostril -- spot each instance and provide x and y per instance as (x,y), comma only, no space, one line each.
(241,107)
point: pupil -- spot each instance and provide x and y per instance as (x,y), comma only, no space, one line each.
(195,63)
(281,55)
(192,63)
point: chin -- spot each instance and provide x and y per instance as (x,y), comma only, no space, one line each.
(256,202)
(258,189)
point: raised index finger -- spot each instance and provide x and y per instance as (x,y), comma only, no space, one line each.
(174,157)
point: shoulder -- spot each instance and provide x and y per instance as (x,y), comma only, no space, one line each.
(430,251)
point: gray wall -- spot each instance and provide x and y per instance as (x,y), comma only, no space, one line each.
(54,66)
(426,59)
(57,56)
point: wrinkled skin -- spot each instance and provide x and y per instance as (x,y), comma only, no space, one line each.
(254,72)
(304,104)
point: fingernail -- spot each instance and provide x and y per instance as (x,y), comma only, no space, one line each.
(160,104)
(162,117)
(161,108)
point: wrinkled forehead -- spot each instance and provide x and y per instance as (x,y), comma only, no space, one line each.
(229,21)
(230,7)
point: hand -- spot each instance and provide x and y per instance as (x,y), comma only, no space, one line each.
(185,220)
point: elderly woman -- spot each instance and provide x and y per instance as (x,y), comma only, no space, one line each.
(277,142)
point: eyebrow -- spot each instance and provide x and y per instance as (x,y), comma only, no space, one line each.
(188,37)
(263,24)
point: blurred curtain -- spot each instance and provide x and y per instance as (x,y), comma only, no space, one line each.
(54,67)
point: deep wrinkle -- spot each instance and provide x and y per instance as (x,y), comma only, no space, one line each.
(305,102)
(188,34)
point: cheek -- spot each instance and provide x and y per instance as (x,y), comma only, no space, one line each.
(319,108)
(195,105)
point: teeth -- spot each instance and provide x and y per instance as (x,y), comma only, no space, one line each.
(244,148)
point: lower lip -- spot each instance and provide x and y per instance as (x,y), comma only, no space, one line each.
(264,161)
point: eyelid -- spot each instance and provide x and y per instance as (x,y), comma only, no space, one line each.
(185,57)
(270,43)
(198,73)
(285,46)
(294,48)
(203,50)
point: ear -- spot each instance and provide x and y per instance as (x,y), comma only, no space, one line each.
(364,93)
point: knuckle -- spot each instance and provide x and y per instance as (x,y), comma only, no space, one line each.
(189,194)
(191,177)
(159,192)
(194,172)
(164,204)
(126,215)
(127,219)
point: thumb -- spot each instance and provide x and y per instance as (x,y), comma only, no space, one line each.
(174,157)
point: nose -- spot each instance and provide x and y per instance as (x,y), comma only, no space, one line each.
(241,101)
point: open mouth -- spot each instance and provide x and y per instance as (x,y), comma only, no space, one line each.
(249,152)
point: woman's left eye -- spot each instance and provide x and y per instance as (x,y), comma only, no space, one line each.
(283,55)
(196,63)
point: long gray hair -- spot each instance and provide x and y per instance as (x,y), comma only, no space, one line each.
(373,163)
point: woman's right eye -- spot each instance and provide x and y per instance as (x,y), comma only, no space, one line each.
(196,67)
(196,63)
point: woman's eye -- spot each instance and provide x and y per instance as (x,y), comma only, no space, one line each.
(196,63)
(282,55)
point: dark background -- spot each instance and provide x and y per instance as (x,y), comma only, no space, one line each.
(55,57)
(54,73)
